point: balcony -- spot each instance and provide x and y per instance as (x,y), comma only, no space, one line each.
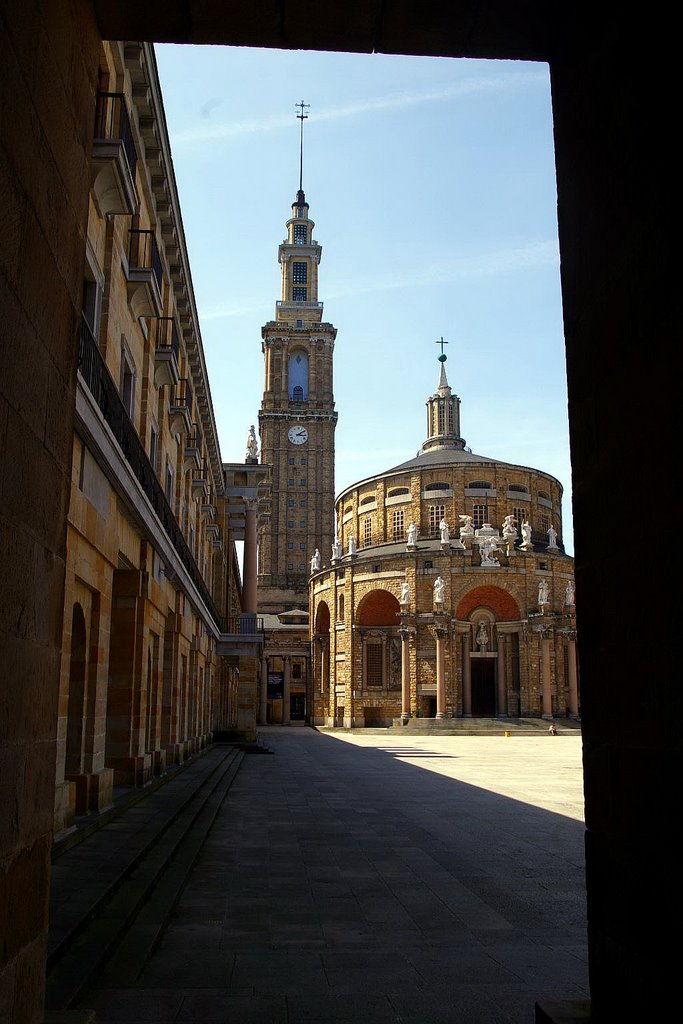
(166,342)
(97,379)
(144,273)
(208,507)
(200,480)
(213,532)
(114,157)
(244,634)
(180,408)
(193,448)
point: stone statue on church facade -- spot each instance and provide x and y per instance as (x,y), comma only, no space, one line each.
(543,593)
(352,544)
(444,532)
(439,590)
(252,445)
(482,637)
(552,539)
(405,593)
(337,549)
(467,528)
(526,535)
(315,561)
(412,535)
(570,595)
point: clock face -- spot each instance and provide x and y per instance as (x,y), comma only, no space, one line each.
(297,434)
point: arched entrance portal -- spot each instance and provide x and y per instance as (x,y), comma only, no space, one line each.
(323,700)
(378,619)
(489,620)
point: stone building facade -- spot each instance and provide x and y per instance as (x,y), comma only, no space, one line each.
(448,592)
(156,645)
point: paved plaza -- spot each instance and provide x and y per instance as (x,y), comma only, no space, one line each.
(372,878)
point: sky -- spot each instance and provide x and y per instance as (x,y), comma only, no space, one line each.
(431,182)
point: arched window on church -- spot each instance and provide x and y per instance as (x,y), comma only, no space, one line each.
(297,377)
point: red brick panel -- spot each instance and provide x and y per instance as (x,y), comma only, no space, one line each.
(503,606)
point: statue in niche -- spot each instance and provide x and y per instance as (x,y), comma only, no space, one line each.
(352,544)
(569,595)
(315,561)
(439,590)
(467,528)
(552,537)
(412,535)
(543,593)
(252,444)
(405,593)
(444,531)
(337,549)
(482,637)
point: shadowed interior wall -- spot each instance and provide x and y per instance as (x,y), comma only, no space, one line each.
(49,55)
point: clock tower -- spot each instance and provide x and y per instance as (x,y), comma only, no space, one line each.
(297,420)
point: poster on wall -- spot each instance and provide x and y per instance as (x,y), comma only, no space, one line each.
(276,683)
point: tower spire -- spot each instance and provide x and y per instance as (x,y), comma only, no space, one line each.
(301,108)
(443,412)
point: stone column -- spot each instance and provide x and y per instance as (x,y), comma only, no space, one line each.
(440,634)
(250,566)
(573,679)
(263,709)
(466,676)
(545,676)
(405,675)
(384,662)
(502,682)
(286,690)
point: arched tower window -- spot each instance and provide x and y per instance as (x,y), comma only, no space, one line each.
(297,377)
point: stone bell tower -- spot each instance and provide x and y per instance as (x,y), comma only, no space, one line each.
(297,421)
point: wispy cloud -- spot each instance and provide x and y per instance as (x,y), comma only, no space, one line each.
(504,83)
(466,268)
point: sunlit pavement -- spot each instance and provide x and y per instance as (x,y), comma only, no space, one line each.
(367,878)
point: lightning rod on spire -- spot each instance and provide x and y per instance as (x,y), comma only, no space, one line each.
(301,108)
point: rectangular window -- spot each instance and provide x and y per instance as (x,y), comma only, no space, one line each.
(367,532)
(302,482)
(127,384)
(480,515)
(290,523)
(300,234)
(397,525)
(519,515)
(302,524)
(153,447)
(436,514)
(373,664)
(290,565)
(302,547)
(545,523)
(291,503)
(168,484)
(303,462)
(302,504)
(290,545)
(300,273)
(291,483)
(291,462)
(299,294)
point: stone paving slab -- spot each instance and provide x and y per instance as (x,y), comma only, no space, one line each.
(352,879)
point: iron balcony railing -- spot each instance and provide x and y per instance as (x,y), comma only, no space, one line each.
(106,396)
(182,395)
(245,624)
(113,124)
(165,335)
(143,253)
